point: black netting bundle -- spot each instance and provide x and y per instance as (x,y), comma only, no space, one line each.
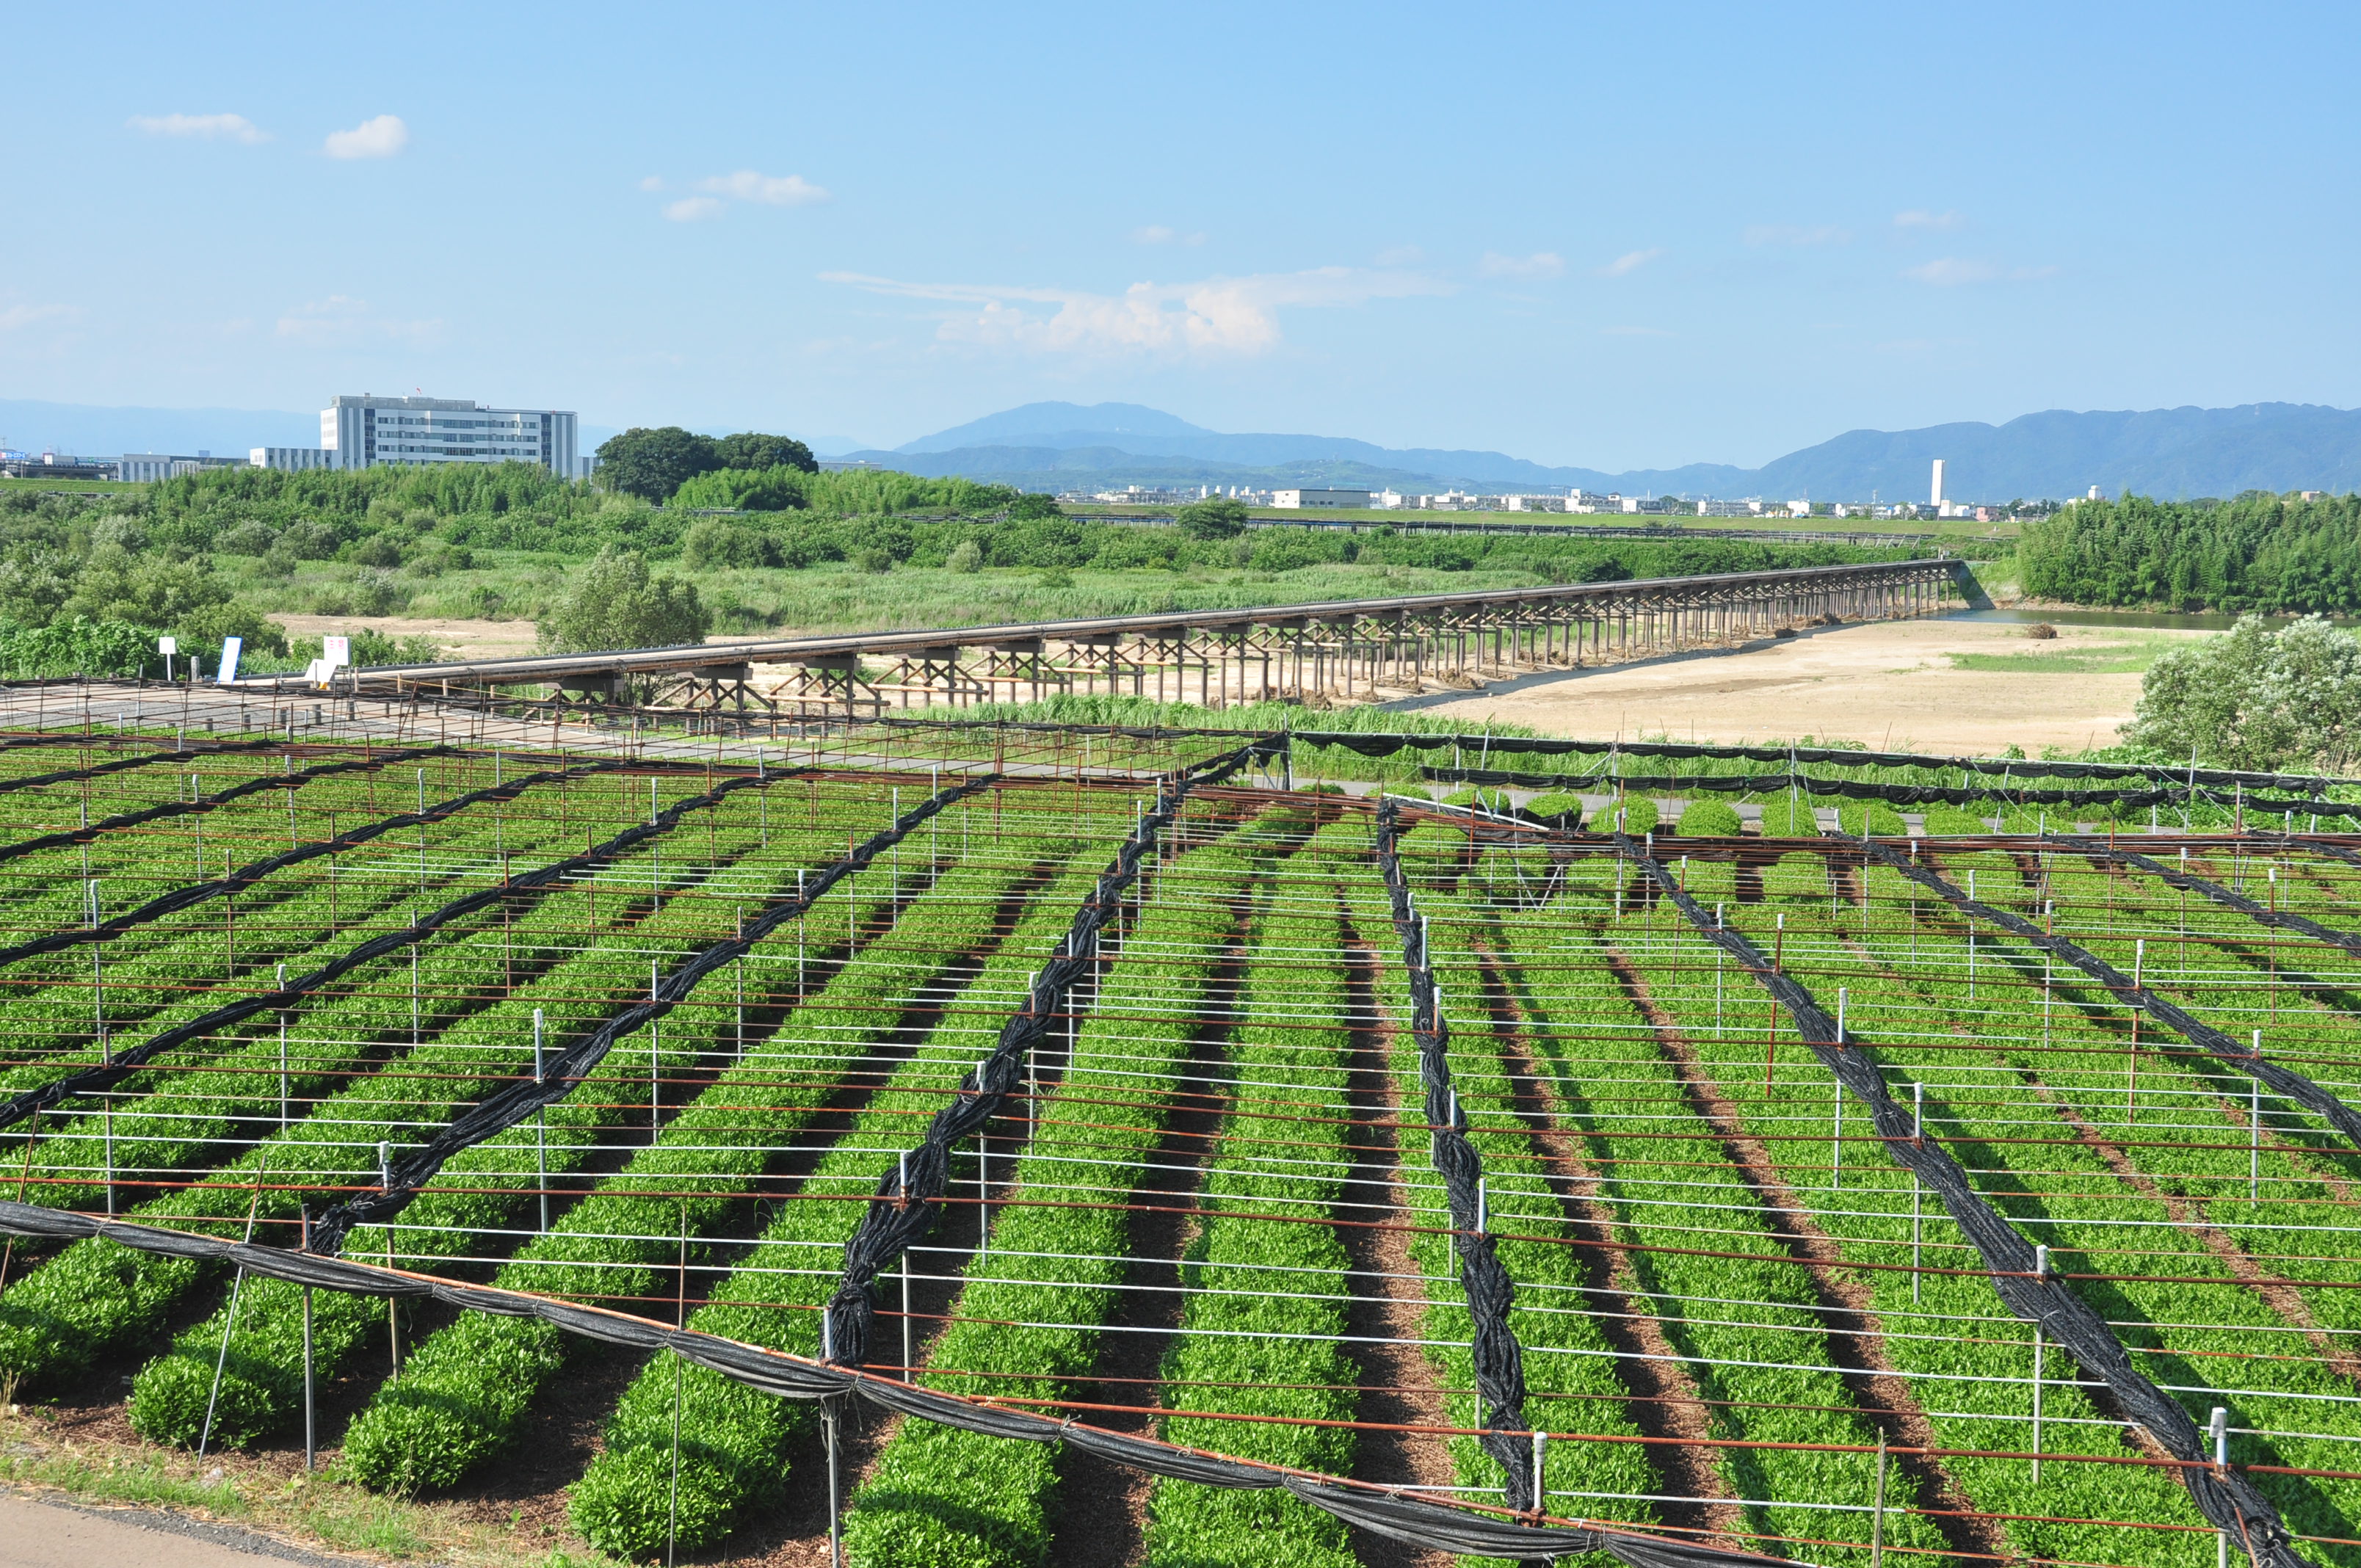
(119,1065)
(900,1215)
(2225,1497)
(496,1113)
(2099,849)
(1484,746)
(2279,1081)
(143,760)
(235,792)
(1498,1358)
(1419,1523)
(245,876)
(1893,794)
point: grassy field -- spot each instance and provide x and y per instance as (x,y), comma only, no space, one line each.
(2130,655)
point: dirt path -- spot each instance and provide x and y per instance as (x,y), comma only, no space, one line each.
(43,1533)
(1890,684)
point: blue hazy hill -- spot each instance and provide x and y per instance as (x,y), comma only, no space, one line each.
(2163,452)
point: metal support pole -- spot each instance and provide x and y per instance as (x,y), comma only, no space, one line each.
(1835,1140)
(541,1132)
(2219,1426)
(1917,1188)
(1877,1513)
(2255,1131)
(2040,1266)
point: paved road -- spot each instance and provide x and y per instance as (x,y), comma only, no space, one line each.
(43,1535)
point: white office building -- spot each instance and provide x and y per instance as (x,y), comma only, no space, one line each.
(363,432)
(1293,500)
(291,459)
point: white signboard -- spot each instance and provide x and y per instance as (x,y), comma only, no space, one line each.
(167,646)
(337,652)
(231,646)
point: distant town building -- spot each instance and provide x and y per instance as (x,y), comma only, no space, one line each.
(1292,499)
(1936,499)
(53,466)
(1591,502)
(366,431)
(2310,495)
(1145,496)
(291,459)
(147,468)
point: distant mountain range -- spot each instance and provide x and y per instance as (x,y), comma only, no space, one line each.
(2179,451)
(1051,447)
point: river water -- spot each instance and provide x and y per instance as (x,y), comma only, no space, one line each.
(2126,620)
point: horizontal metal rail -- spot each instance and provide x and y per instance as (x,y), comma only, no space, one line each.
(1602,598)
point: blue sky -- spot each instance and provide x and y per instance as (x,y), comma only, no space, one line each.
(1613,236)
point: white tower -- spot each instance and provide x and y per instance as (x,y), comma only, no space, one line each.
(1938,498)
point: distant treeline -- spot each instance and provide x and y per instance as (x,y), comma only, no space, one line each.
(506,506)
(389,517)
(2258,552)
(798,539)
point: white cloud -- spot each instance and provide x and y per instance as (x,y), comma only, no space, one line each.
(1540,264)
(1951,272)
(688,209)
(1919,218)
(1791,234)
(1948,271)
(652,183)
(1216,316)
(1159,234)
(380,138)
(16,316)
(341,321)
(207,127)
(1401,256)
(1631,261)
(771,189)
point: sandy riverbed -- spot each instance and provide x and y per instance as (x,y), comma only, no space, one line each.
(1885,685)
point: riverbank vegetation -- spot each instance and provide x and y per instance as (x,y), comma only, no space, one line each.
(216,554)
(2278,554)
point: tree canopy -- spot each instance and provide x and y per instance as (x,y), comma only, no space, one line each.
(651,464)
(750,450)
(2258,697)
(616,602)
(1216,517)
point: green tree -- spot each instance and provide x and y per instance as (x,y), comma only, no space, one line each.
(651,464)
(749,450)
(616,602)
(1216,517)
(2256,697)
(1034,505)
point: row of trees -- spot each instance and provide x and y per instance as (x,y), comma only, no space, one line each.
(2275,553)
(654,463)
